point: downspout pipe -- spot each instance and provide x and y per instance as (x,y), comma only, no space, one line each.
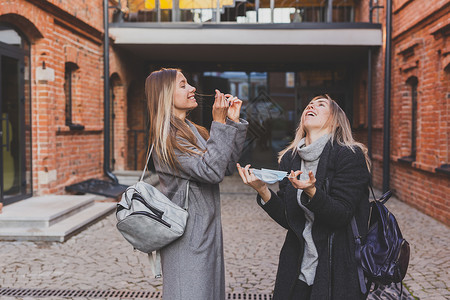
(369,102)
(106,117)
(387,98)
(369,89)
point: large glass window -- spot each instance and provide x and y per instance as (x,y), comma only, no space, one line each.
(272,104)
(270,113)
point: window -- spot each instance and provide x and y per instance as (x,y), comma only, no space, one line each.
(412,83)
(290,79)
(70,69)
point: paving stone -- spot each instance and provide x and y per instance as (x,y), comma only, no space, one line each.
(100,259)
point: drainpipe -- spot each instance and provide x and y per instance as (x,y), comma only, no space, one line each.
(387,98)
(369,102)
(369,90)
(106,133)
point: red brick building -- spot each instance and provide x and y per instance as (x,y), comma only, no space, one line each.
(420,102)
(275,56)
(52,96)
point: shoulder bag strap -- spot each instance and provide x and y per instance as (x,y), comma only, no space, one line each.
(148,159)
(186,199)
(155,263)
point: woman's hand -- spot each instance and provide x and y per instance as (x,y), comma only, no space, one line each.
(249,179)
(308,186)
(234,109)
(220,108)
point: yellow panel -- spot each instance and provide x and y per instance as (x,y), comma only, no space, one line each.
(188,4)
(135,5)
(197,4)
(163,4)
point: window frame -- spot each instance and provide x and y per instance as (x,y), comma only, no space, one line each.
(69,70)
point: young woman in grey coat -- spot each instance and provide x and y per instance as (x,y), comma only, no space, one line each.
(193,266)
(317,260)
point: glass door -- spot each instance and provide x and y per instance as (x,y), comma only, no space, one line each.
(15,116)
(11,127)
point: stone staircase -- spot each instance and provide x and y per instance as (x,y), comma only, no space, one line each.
(58,217)
(51,218)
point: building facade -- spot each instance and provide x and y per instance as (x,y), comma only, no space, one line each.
(52,96)
(420,102)
(275,55)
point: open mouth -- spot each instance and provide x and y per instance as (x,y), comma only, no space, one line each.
(311,114)
(192,98)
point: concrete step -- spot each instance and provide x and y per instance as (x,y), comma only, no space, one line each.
(43,211)
(51,218)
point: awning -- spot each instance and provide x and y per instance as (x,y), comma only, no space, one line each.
(270,43)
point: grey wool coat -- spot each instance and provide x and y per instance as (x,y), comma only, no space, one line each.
(193,265)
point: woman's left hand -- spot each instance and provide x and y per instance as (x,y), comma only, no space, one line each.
(308,186)
(234,110)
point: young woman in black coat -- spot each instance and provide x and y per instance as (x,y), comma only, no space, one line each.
(327,185)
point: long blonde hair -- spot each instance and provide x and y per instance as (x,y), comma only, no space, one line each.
(340,130)
(165,127)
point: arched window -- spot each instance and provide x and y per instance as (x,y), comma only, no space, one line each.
(11,37)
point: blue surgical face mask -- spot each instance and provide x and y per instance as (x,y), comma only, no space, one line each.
(269,176)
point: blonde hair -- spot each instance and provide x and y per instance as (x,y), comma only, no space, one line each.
(340,130)
(165,128)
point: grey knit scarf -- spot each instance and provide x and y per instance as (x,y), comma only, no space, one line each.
(310,159)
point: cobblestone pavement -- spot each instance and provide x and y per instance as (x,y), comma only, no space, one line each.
(100,259)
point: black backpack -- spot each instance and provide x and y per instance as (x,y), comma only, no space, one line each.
(383,257)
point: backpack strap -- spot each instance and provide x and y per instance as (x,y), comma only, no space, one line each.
(362,284)
(357,237)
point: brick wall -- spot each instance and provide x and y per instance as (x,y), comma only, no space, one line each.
(68,32)
(420,51)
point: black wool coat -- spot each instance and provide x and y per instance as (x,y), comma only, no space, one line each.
(342,192)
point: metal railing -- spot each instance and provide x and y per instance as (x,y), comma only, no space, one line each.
(237,11)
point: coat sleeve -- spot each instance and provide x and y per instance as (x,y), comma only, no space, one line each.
(238,144)
(347,189)
(276,206)
(210,167)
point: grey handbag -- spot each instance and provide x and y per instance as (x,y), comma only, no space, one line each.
(149,220)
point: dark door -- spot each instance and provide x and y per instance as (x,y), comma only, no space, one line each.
(13,161)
